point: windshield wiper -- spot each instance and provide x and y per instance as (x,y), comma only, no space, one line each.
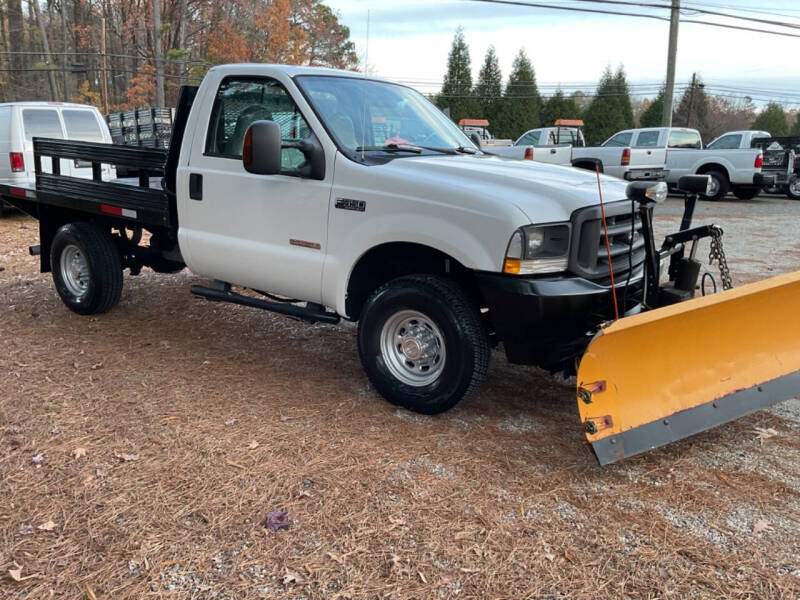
(391,148)
(416,149)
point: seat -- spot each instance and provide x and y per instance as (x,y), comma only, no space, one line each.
(254,112)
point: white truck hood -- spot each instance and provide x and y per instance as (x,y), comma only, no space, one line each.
(544,193)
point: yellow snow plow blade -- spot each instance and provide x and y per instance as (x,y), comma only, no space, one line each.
(663,375)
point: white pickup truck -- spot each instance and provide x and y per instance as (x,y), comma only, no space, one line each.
(736,169)
(626,155)
(552,145)
(324,195)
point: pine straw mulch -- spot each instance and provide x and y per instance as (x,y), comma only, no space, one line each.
(166,431)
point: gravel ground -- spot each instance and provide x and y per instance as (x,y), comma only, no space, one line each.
(141,451)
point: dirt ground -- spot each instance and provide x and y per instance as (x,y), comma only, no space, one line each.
(141,451)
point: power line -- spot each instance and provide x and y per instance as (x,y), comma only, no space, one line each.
(697,10)
(636,15)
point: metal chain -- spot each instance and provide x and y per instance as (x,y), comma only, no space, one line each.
(717,253)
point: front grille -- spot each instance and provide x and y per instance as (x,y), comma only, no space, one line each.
(589,255)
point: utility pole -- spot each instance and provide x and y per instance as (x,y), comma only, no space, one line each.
(103,67)
(159,59)
(669,90)
(691,99)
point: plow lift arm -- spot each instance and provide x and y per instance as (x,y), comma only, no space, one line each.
(685,364)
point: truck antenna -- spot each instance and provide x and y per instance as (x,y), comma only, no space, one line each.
(364,94)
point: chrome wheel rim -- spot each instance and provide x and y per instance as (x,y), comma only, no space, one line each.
(794,187)
(413,348)
(75,270)
(713,187)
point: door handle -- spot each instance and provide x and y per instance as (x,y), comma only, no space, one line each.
(552,151)
(195,186)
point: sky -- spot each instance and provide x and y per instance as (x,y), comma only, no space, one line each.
(409,41)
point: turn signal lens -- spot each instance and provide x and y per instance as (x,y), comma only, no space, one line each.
(512,266)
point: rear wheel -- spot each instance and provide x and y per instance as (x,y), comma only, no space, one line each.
(793,189)
(86,266)
(718,186)
(746,192)
(422,343)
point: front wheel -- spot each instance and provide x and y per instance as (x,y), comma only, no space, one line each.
(86,267)
(793,189)
(422,343)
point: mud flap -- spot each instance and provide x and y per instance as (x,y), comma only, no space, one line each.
(663,375)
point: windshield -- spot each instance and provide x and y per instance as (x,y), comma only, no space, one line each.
(367,113)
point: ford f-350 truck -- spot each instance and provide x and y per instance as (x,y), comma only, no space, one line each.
(324,195)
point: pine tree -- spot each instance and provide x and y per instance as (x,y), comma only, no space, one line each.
(559,106)
(521,102)
(772,119)
(456,93)
(610,110)
(489,89)
(652,115)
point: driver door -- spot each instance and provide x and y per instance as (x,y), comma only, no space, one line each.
(266,232)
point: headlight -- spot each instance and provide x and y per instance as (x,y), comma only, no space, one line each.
(538,249)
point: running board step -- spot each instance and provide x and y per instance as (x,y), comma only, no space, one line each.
(313,313)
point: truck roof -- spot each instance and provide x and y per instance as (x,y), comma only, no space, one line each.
(292,70)
(46,104)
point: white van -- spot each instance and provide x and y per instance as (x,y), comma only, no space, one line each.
(20,122)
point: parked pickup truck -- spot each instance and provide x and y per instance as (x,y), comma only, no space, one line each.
(736,169)
(551,145)
(622,156)
(782,159)
(324,195)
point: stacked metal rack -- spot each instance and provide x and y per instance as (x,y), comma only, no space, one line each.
(145,127)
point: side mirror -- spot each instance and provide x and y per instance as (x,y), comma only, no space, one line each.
(261,150)
(646,192)
(475,139)
(694,184)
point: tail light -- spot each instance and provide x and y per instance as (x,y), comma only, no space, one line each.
(528,153)
(626,157)
(570,155)
(796,162)
(17,162)
(759,161)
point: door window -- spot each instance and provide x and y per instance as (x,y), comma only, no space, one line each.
(726,142)
(620,140)
(82,125)
(684,139)
(647,139)
(240,102)
(41,123)
(529,139)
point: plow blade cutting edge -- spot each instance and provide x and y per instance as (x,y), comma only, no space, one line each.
(663,375)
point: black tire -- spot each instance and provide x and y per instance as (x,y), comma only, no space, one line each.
(722,185)
(101,277)
(461,337)
(746,192)
(793,189)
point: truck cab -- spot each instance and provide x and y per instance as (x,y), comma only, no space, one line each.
(338,196)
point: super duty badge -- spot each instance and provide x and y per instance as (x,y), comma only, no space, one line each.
(350,204)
